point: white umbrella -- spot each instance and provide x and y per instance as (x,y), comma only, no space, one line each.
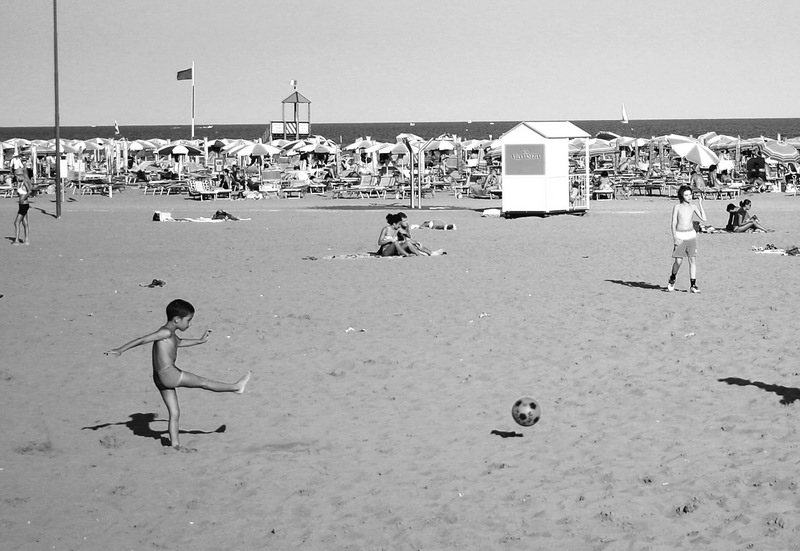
(441,145)
(141,145)
(693,151)
(360,144)
(255,149)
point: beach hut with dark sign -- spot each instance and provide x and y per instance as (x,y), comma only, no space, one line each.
(536,170)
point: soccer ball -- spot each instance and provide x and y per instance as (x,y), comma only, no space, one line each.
(526,411)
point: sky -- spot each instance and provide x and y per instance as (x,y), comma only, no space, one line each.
(380,61)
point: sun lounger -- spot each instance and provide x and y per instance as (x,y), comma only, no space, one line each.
(721,193)
(602,194)
(201,189)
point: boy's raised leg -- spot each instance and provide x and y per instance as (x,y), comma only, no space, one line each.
(190,380)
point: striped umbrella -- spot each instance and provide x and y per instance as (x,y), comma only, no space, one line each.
(782,152)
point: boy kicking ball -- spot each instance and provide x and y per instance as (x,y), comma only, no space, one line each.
(684,236)
(166,374)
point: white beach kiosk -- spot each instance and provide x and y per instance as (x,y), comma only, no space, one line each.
(536,173)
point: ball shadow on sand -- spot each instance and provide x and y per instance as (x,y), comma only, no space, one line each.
(638,284)
(788,394)
(507,434)
(139,425)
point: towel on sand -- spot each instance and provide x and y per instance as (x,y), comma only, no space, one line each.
(769,248)
(363,255)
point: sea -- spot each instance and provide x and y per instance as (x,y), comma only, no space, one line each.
(345,133)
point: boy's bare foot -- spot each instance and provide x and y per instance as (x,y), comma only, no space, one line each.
(241,383)
(184,449)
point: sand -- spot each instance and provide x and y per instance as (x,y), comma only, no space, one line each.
(378,415)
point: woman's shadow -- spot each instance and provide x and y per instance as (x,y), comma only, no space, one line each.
(139,425)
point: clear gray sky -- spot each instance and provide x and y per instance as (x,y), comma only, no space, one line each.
(416,60)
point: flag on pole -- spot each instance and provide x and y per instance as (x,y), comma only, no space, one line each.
(293,83)
(186,74)
(116,128)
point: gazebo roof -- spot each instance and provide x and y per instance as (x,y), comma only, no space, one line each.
(296,97)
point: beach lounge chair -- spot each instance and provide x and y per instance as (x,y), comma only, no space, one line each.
(359,190)
(200,189)
(295,184)
(267,189)
(380,187)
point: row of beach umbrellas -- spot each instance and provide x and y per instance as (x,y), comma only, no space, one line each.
(702,150)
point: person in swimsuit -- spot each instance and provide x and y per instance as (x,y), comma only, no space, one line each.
(393,243)
(21,220)
(405,231)
(684,236)
(166,375)
(747,221)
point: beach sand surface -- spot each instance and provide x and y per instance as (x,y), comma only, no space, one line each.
(379,412)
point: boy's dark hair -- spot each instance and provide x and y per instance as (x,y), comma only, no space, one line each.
(681,191)
(402,215)
(179,308)
(731,207)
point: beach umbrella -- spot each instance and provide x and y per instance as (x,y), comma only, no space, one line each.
(607,136)
(723,142)
(179,149)
(394,149)
(142,145)
(596,146)
(316,148)
(359,144)
(255,150)
(706,138)
(441,145)
(375,147)
(692,150)
(778,151)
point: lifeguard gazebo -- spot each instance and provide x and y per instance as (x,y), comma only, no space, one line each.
(298,124)
(536,171)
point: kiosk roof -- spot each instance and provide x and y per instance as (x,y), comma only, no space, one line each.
(557,129)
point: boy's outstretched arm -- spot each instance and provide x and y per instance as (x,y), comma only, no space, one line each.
(192,342)
(701,212)
(161,334)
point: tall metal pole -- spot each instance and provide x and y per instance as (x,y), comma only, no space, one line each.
(57,120)
(192,99)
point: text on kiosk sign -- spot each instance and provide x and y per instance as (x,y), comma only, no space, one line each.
(524,160)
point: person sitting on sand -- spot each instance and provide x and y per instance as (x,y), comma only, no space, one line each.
(724,178)
(392,243)
(405,231)
(733,218)
(747,221)
(166,374)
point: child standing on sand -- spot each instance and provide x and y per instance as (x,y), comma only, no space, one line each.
(684,236)
(166,374)
(22,234)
